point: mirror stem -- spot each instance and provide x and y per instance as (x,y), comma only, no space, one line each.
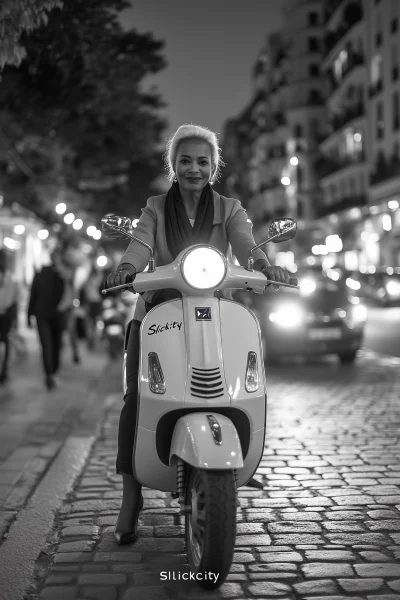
(152,265)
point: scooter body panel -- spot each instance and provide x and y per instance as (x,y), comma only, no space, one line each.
(199,341)
(195,443)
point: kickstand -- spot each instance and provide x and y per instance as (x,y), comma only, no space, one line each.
(255,484)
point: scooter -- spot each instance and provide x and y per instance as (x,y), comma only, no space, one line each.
(202,394)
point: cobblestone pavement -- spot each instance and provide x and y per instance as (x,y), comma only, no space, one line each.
(35,422)
(327,524)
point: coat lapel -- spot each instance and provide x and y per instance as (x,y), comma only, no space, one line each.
(217,209)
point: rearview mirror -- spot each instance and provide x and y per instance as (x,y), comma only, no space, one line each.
(116,227)
(282,230)
(119,227)
(279,230)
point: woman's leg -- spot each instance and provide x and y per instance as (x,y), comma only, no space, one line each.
(125,530)
(127,421)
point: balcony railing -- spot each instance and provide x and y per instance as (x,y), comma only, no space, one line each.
(352,14)
(339,120)
(342,204)
(326,166)
(354,60)
(333,5)
(385,169)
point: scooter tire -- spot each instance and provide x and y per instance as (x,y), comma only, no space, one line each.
(210,529)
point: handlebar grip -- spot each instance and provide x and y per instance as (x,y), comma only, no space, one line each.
(293,281)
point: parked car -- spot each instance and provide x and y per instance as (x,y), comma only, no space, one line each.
(321,318)
(381,288)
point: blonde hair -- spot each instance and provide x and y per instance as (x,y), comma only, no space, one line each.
(192,132)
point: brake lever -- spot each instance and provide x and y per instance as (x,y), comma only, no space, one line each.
(289,285)
(118,287)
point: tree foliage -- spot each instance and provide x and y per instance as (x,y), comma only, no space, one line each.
(16,17)
(74,112)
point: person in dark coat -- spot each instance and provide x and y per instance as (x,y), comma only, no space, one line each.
(51,299)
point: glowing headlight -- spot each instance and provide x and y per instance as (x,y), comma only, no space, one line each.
(393,288)
(307,286)
(359,313)
(203,267)
(290,316)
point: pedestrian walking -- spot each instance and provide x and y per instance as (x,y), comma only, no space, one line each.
(189,213)
(8,312)
(51,302)
(92,300)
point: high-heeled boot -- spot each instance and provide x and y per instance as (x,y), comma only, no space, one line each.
(132,503)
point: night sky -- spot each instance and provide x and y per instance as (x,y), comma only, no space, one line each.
(210,48)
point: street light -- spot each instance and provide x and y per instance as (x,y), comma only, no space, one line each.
(19,229)
(91,230)
(97,234)
(102,261)
(294,161)
(69,218)
(61,208)
(77,224)
(285,181)
(43,234)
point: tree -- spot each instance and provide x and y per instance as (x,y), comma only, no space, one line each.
(74,112)
(16,17)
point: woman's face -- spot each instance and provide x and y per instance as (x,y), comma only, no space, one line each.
(194,167)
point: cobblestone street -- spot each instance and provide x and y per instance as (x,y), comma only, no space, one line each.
(326,525)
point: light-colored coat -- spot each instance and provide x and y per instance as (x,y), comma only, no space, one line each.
(232,231)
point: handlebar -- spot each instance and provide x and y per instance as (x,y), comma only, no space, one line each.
(293,283)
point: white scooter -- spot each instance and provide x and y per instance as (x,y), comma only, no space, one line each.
(202,397)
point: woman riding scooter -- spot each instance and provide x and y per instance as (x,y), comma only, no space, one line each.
(189,213)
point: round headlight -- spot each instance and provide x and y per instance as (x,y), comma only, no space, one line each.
(204,267)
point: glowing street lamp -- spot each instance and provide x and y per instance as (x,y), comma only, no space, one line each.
(97,234)
(102,261)
(19,229)
(69,218)
(91,230)
(61,208)
(43,234)
(77,224)
(285,181)
(294,161)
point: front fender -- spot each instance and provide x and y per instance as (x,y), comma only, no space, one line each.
(193,442)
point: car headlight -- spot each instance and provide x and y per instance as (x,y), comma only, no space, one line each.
(289,316)
(393,288)
(204,267)
(359,313)
(307,286)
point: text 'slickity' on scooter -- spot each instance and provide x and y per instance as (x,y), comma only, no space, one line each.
(202,397)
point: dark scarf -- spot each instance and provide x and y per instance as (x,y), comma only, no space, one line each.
(178,230)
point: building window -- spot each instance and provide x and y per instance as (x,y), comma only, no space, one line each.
(313,44)
(298,131)
(314,97)
(378,31)
(312,18)
(380,125)
(313,70)
(395,62)
(396,111)
(394,22)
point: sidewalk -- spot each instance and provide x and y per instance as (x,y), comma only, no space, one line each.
(36,422)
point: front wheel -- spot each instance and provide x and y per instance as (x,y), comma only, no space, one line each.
(210,527)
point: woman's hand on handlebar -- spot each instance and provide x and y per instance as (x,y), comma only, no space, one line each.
(125,273)
(276,274)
